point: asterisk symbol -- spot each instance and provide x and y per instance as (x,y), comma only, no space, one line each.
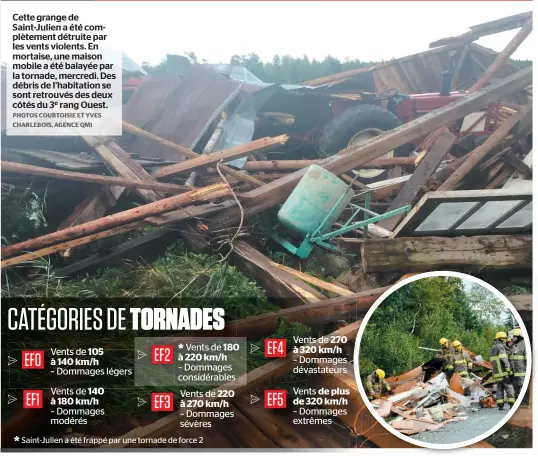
(180,346)
(16,438)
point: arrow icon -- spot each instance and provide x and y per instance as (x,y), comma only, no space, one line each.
(10,399)
(140,354)
(11,360)
(253,399)
(140,402)
(254,348)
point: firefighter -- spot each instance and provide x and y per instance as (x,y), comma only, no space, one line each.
(518,360)
(460,361)
(376,384)
(445,354)
(501,370)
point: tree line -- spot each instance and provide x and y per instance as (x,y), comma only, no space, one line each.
(422,312)
(285,69)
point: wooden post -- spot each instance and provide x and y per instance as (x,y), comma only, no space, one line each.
(226,155)
(20,168)
(184,152)
(430,253)
(503,57)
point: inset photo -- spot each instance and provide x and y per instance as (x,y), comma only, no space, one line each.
(442,360)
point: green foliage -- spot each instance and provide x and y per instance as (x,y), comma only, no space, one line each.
(422,312)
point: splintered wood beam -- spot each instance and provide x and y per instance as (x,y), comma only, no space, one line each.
(472,159)
(428,165)
(503,57)
(20,168)
(351,158)
(184,152)
(430,253)
(130,215)
(201,161)
(278,284)
(488,28)
(249,382)
(63,246)
(274,165)
(313,280)
(122,163)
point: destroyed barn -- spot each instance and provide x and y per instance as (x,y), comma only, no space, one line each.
(361,178)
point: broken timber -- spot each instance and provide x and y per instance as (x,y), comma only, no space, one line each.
(350,307)
(184,152)
(278,284)
(266,373)
(427,166)
(121,162)
(130,215)
(20,168)
(430,253)
(229,154)
(481,151)
(488,28)
(277,191)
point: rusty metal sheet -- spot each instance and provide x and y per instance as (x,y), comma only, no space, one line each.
(149,99)
(188,111)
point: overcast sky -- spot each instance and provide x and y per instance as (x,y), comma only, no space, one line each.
(369,31)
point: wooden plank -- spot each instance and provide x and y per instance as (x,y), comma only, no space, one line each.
(350,307)
(314,280)
(273,165)
(121,162)
(505,54)
(488,28)
(278,284)
(431,253)
(522,303)
(90,178)
(253,379)
(93,207)
(130,215)
(481,151)
(201,161)
(70,244)
(147,246)
(428,165)
(184,152)
(277,191)
(459,67)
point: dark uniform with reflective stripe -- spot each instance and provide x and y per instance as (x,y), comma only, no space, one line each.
(518,363)
(375,386)
(460,363)
(501,373)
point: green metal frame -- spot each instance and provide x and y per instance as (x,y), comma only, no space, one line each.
(316,238)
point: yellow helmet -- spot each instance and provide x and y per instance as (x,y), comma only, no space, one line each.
(500,335)
(443,341)
(517,332)
(380,373)
(456,343)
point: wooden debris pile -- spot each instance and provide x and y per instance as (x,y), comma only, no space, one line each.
(179,169)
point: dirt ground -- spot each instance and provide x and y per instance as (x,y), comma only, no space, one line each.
(478,422)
